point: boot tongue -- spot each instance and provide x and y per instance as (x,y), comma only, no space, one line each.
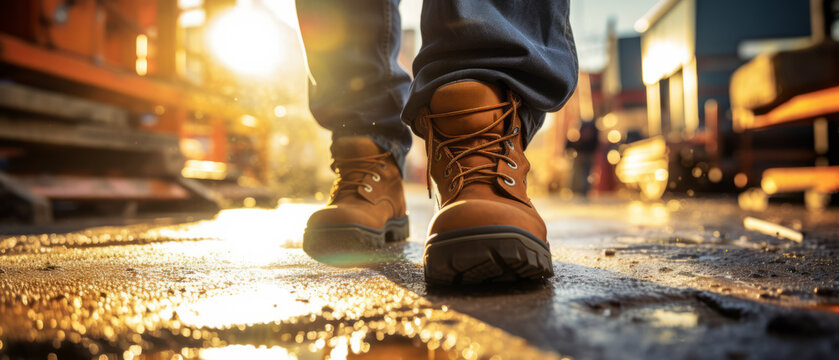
(466,95)
(354,147)
(345,148)
(462,96)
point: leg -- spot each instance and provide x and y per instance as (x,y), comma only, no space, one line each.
(487,72)
(352,49)
(525,46)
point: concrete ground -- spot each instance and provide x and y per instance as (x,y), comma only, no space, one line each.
(678,279)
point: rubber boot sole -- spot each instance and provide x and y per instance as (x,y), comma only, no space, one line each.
(486,254)
(352,244)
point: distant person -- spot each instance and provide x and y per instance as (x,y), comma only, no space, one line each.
(487,72)
(584,149)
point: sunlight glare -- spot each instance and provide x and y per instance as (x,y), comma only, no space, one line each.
(252,228)
(264,304)
(247,40)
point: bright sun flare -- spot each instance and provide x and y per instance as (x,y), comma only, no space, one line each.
(247,40)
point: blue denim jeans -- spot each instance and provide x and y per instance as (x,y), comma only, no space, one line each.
(352,48)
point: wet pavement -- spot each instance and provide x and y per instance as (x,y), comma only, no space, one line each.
(677,279)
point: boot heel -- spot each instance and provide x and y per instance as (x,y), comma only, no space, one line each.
(397,230)
(352,244)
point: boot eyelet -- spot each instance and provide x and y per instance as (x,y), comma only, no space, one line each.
(377,178)
(510,181)
(439,156)
(447,173)
(368,188)
(510,145)
(516,130)
(384,166)
(451,186)
(512,165)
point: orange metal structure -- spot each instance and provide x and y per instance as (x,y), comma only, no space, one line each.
(804,108)
(138,58)
(800,108)
(823,179)
(90,47)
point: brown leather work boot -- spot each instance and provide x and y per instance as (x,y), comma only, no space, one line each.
(487,229)
(366,207)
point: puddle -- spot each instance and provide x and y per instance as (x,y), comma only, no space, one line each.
(265,304)
(336,348)
(684,313)
(680,316)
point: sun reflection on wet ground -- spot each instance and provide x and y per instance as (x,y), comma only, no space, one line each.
(266,303)
(665,275)
(245,352)
(251,227)
(242,288)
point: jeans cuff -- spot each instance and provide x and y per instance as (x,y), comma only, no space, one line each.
(396,149)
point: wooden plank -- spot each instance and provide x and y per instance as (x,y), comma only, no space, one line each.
(772,229)
(31,100)
(67,187)
(90,136)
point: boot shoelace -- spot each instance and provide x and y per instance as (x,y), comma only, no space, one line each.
(345,167)
(481,173)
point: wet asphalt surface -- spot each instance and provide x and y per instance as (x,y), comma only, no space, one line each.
(677,279)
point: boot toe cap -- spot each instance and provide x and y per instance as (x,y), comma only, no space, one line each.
(340,215)
(477,213)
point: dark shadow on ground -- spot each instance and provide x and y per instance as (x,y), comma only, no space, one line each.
(591,313)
